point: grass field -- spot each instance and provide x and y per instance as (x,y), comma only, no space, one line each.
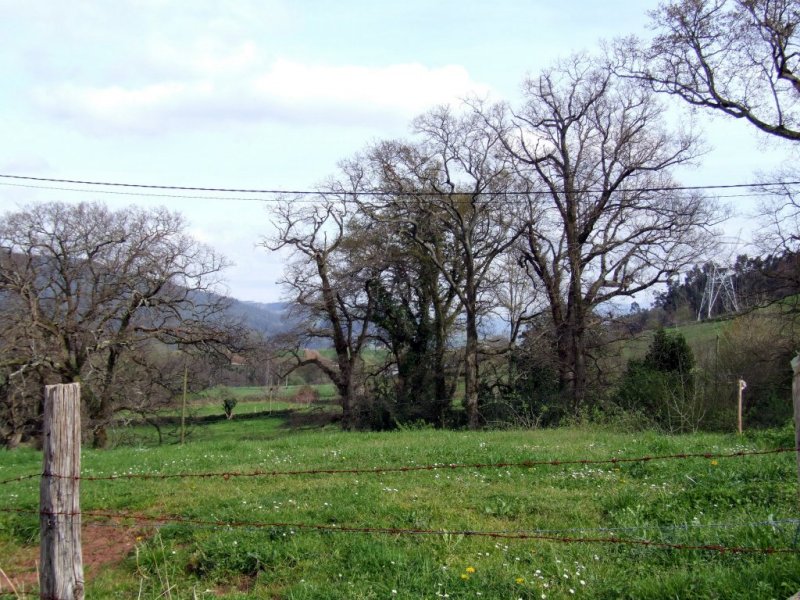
(698,336)
(734,502)
(283,392)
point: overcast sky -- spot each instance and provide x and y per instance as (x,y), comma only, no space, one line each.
(272,94)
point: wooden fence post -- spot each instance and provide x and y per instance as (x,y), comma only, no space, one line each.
(61,562)
(741,385)
(183,404)
(796,401)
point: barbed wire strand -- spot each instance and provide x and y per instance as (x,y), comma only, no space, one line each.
(775,523)
(20,478)
(409,468)
(534,534)
(226,475)
(335,528)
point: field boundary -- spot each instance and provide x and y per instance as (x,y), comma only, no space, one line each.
(225,475)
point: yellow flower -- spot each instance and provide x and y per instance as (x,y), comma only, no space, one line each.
(464,576)
(470,569)
(714,463)
(520,580)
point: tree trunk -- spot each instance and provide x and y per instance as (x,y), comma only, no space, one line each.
(796,406)
(579,382)
(564,352)
(13,440)
(101,418)
(345,401)
(471,367)
(444,396)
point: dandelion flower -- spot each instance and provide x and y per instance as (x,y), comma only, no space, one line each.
(464,576)
(520,580)
(714,463)
(470,569)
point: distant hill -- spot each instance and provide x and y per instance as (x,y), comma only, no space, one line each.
(269,318)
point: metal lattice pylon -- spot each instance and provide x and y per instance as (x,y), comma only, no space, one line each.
(719,283)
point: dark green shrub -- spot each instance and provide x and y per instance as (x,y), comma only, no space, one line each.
(529,395)
(669,353)
(228,404)
(662,386)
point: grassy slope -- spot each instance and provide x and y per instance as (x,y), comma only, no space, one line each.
(662,501)
(326,390)
(703,335)
(251,400)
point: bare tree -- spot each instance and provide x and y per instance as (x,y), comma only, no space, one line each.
(738,57)
(602,218)
(452,181)
(21,379)
(91,284)
(516,297)
(329,290)
(779,240)
(781,217)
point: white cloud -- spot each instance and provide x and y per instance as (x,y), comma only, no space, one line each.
(206,56)
(402,89)
(211,85)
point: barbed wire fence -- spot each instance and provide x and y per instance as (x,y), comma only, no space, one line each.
(66,518)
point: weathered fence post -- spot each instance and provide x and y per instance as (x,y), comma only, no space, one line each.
(741,385)
(796,401)
(61,562)
(183,404)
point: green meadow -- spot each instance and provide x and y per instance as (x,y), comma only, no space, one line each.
(249,536)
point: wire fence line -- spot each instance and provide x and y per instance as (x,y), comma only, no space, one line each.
(642,536)
(112,520)
(226,475)
(393,531)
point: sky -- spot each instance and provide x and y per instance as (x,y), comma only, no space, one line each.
(272,94)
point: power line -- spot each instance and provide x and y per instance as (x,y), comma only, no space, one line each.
(137,194)
(157,187)
(275,198)
(288,192)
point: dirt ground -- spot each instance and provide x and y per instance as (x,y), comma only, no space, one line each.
(103,544)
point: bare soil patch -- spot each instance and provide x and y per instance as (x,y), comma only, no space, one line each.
(103,544)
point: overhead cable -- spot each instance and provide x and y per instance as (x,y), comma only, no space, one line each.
(289,192)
